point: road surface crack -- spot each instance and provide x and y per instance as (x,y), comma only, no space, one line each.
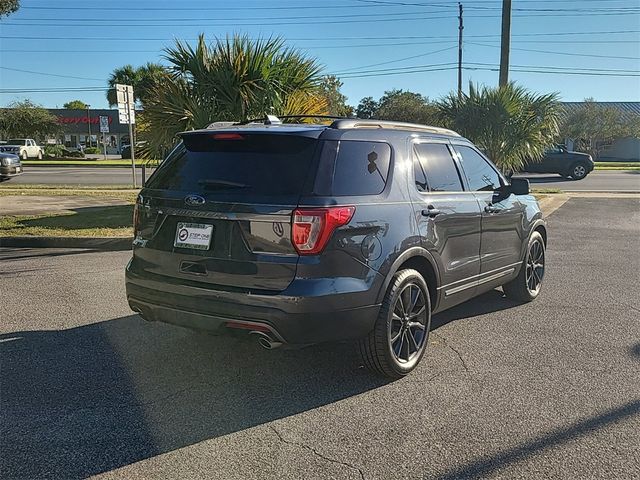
(455,350)
(316,453)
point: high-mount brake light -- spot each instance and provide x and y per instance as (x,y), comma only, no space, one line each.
(227,136)
(312,228)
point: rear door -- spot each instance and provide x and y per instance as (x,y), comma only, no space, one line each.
(448,219)
(218,210)
(502,218)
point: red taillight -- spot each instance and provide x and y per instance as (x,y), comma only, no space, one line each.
(311,228)
(136,219)
(227,136)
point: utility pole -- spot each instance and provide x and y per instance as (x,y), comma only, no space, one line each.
(88,142)
(505,43)
(460,28)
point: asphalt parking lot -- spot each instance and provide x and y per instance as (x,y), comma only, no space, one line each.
(549,389)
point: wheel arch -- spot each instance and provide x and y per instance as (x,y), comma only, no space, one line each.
(418,259)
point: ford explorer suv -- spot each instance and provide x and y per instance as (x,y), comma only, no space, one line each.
(25,148)
(358,230)
(559,160)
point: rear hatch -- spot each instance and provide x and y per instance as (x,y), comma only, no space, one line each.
(218,210)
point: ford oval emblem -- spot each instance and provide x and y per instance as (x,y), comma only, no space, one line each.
(194,200)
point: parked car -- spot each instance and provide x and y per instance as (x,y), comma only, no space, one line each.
(299,234)
(126,149)
(10,166)
(25,148)
(559,160)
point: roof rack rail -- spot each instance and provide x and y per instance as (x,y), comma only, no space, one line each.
(368,123)
(272,119)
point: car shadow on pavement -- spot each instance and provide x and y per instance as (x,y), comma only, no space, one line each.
(489,302)
(87,400)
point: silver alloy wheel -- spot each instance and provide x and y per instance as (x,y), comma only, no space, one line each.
(408,325)
(579,171)
(535,267)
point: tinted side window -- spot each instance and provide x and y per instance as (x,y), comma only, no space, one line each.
(352,168)
(479,173)
(442,173)
(418,173)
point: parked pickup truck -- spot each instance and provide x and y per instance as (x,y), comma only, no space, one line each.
(23,147)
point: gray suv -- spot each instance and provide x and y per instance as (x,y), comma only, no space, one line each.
(301,233)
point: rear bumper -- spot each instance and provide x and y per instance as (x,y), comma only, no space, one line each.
(292,319)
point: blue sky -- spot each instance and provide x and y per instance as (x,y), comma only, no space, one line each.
(367,42)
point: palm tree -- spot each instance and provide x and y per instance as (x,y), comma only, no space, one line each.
(142,79)
(511,124)
(232,79)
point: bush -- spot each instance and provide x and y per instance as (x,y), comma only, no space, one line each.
(54,151)
(92,150)
(60,151)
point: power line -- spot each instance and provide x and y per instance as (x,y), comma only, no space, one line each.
(399,59)
(50,74)
(406,37)
(571,54)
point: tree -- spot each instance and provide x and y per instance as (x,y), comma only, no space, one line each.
(142,79)
(405,106)
(398,105)
(336,101)
(511,124)
(7,7)
(26,119)
(234,79)
(366,108)
(76,105)
(593,126)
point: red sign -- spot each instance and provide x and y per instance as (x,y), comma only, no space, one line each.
(76,120)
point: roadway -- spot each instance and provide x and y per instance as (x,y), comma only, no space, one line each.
(603,181)
(547,389)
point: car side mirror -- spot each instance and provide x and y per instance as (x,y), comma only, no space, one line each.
(519,186)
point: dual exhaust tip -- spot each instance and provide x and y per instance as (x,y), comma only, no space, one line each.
(265,340)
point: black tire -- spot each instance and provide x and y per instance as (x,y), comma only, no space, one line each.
(578,171)
(379,352)
(526,286)
(40,155)
(24,156)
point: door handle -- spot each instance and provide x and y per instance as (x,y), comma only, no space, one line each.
(492,209)
(430,211)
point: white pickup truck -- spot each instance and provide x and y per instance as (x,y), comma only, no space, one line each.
(23,147)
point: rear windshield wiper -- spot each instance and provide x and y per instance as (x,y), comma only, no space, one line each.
(221,184)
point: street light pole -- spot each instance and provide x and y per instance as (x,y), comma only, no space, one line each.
(89,123)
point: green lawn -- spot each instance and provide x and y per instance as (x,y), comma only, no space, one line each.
(114,221)
(121,193)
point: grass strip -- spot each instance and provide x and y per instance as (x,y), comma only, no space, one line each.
(112,221)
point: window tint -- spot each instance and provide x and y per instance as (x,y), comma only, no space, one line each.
(441,171)
(241,163)
(352,168)
(479,173)
(418,173)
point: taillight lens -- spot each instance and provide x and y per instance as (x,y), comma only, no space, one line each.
(312,228)
(136,219)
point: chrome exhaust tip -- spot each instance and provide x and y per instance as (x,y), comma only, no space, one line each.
(265,340)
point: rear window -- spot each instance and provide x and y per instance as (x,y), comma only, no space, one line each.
(441,172)
(259,164)
(352,168)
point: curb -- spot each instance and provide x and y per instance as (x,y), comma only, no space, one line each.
(95,243)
